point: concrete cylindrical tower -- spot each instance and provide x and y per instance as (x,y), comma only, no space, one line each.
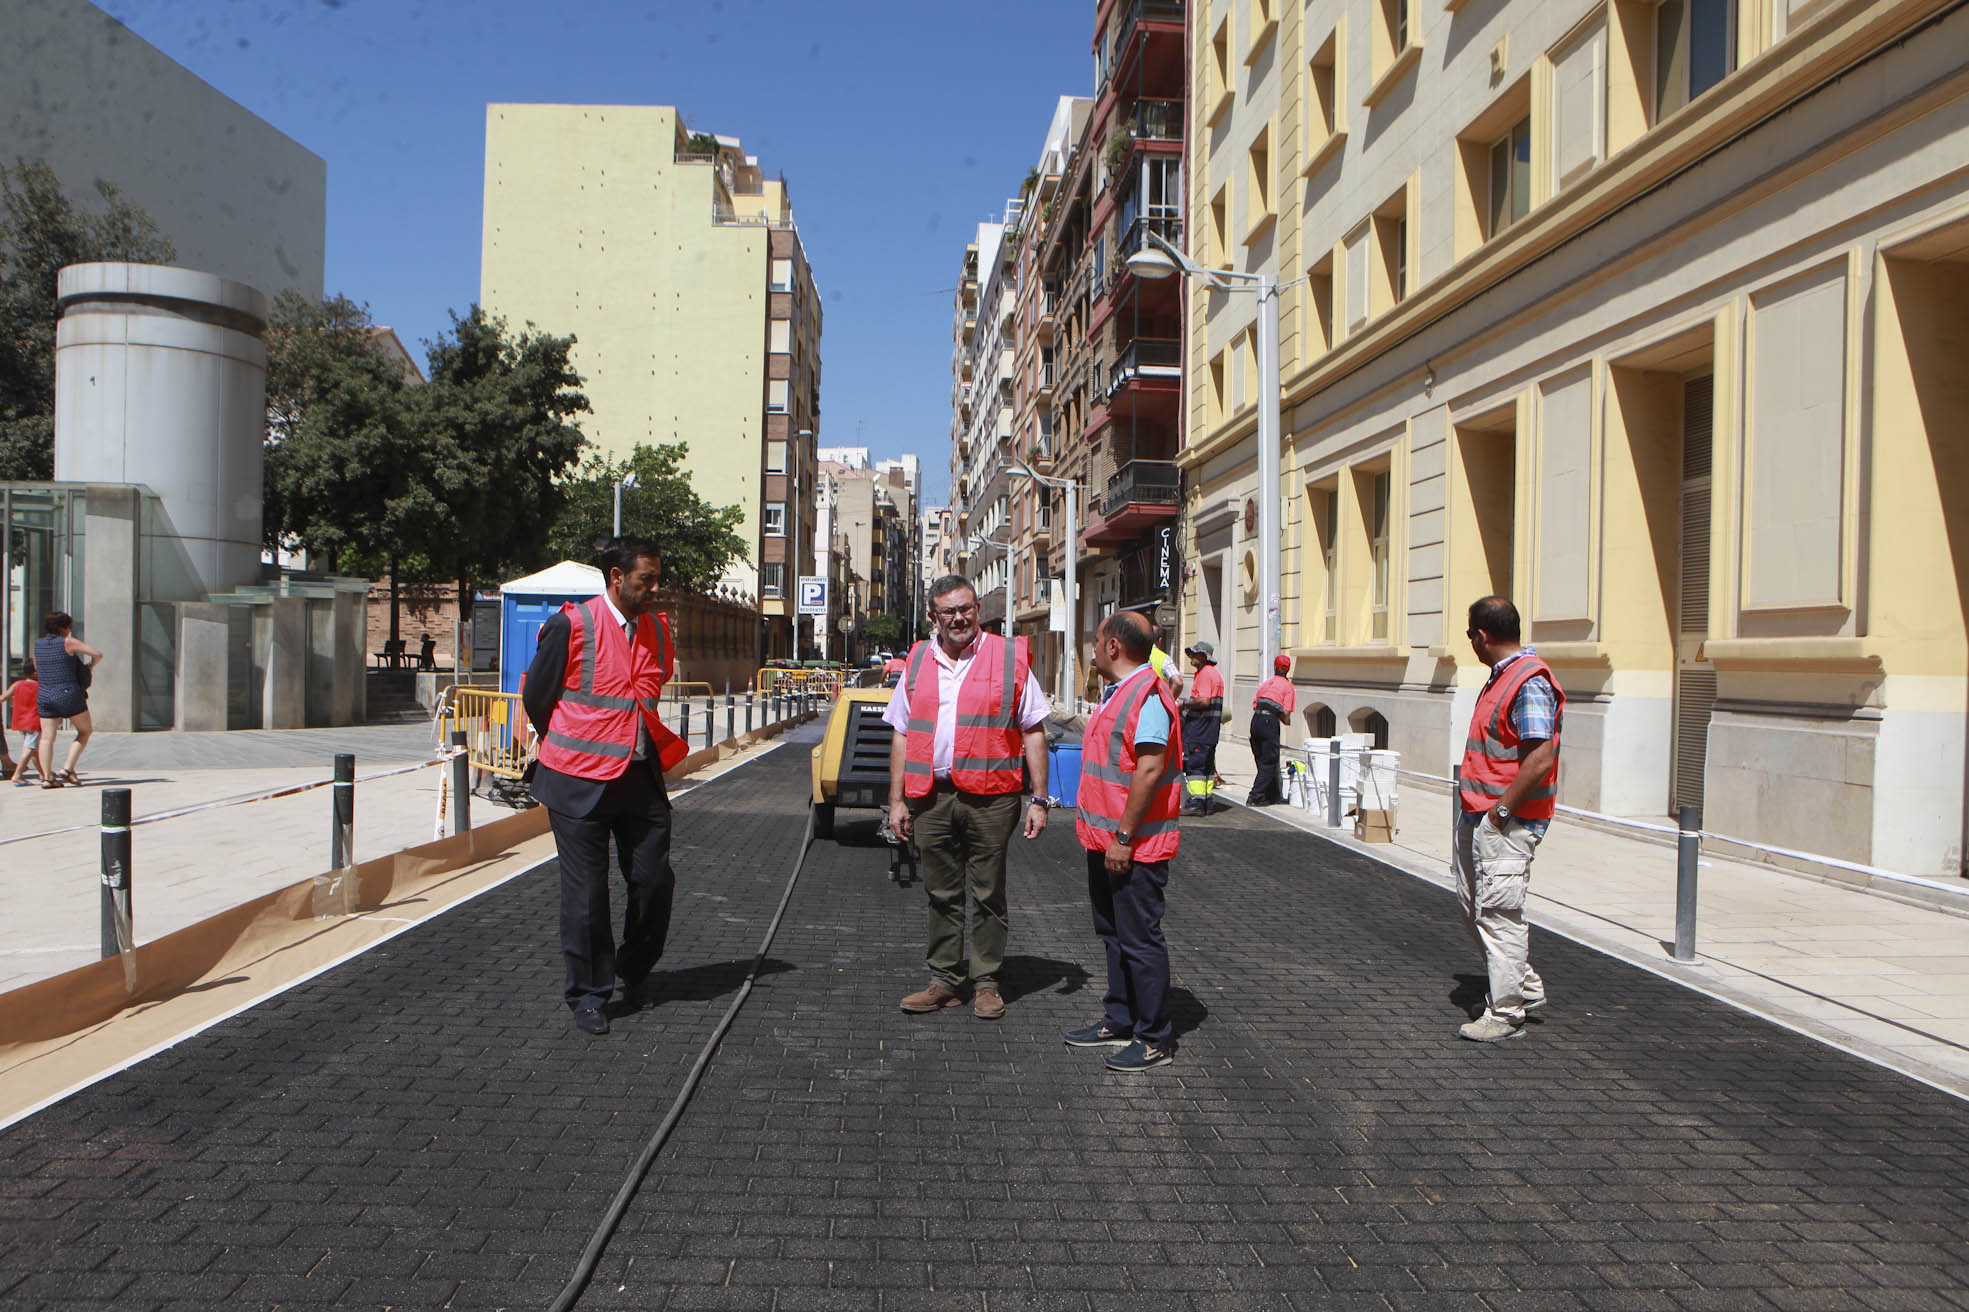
(161,379)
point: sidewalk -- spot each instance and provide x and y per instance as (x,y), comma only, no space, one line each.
(1883,977)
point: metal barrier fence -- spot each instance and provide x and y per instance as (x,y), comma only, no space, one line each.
(782,681)
(498,739)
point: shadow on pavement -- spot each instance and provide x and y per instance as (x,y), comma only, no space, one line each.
(712,980)
(1185,1011)
(1470,994)
(1021,976)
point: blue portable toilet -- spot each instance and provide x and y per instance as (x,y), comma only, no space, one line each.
(525,604)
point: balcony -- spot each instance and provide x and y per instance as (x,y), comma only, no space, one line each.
(1147,358)
(1143,11)
(1141,493)
(1156,120)
(1166,226)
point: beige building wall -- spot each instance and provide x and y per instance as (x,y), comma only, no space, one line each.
(1694,405)
(602,221)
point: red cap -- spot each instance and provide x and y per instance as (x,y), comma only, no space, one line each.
(1282,663)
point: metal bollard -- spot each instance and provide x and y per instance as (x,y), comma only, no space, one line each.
(342,813)
(731,714)
(1333,789)
(461,784)
(1455,799)
(116,892)
(710,727)
(748,712)
(775,707)
(1688,851)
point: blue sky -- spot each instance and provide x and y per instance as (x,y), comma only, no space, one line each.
(899,125)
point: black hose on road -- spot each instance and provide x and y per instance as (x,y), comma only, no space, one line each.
(591,1256)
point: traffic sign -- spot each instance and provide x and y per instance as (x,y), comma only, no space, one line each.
(846,624)
(813,596)
(1165,615)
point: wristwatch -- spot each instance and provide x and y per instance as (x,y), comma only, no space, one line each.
(1046,803)
(1501,813)
(1123,838)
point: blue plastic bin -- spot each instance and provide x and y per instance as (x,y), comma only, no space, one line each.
(1063,771)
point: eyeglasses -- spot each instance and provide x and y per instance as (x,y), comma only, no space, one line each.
(1471,634)
(953,612)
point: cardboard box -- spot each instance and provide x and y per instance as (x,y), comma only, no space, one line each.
(1374,826)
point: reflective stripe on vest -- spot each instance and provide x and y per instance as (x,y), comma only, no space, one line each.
(1107,768)
(987,750)
(609,687)
(1490,751)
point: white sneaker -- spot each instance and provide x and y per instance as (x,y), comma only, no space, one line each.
(1489,1029)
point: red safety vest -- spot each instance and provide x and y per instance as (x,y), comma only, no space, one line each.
(988,749)
(593,730)
(1490,754)
(1107,765)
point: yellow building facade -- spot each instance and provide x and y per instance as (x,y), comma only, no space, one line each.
(1647,315)
(677,265)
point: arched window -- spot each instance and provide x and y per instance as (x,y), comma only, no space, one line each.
(1369,721)
(1321,721)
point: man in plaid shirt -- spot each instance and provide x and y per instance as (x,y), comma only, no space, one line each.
(1509,791)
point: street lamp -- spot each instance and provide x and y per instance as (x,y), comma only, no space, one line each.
(627,480)
(1165,261)
(1069,690)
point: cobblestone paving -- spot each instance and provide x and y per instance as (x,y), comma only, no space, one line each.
(423,1128)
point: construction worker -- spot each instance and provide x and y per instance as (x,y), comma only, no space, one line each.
(1273,705)
(1203,720)
(967,711)
(1128,803)
(1509,793)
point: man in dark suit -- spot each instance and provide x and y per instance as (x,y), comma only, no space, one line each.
(591,695)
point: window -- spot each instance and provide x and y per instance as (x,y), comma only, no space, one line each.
(1319,307)
(1390,251)
(1695,48)
(1377,530)
(1326,521)
(776,392)
(1324,723)
(1258,187)
(772,579)
(1325,129)
(775,519)
(1240,381)
(1395,14)
(1220,235)
(782,275)
(1220,71)
(1394,49)
(776,457)
(1162,188)
(1510,177)
(1217,386)
(780,336)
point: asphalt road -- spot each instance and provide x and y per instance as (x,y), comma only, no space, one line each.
(423,1128)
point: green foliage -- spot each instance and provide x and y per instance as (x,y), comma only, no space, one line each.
(885,632)
(41,230)
(698,539)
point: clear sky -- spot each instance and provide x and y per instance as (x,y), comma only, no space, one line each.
(899,124)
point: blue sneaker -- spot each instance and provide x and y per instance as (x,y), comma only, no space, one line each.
(1098,1035)
(1137,1056)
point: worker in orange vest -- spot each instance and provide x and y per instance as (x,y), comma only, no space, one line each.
(1130,797)
(1509,793)
(1203,721)
(591,693)
(1271,707)
(967,714)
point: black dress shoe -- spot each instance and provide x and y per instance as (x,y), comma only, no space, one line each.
(590,1020)
(639,995)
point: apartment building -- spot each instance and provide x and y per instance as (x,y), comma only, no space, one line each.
(981,451)
(872,508)
(1647,315)
(674,259)
(1115,401)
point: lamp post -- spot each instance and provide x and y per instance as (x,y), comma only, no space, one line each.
(627,480)
(1159,259)
(1069,690)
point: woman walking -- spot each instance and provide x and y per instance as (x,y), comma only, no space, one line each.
(65,664)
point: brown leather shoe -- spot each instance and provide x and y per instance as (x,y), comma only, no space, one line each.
(988,1005)
(934,998)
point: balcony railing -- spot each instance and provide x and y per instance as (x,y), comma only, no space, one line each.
(1157,120)
(1167,227)
(1153,11)
(1151,357)
(1140,483)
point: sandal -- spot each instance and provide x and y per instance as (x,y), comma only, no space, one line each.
(68,778)
(51,783)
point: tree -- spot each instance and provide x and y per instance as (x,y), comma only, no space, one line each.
(885,632)
(348,474)
(698,539)
(41,231)
(499,417)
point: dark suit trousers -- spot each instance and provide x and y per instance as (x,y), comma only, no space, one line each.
(1128,919)
(634,811)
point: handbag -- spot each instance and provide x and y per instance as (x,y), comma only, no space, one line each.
(85,674)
